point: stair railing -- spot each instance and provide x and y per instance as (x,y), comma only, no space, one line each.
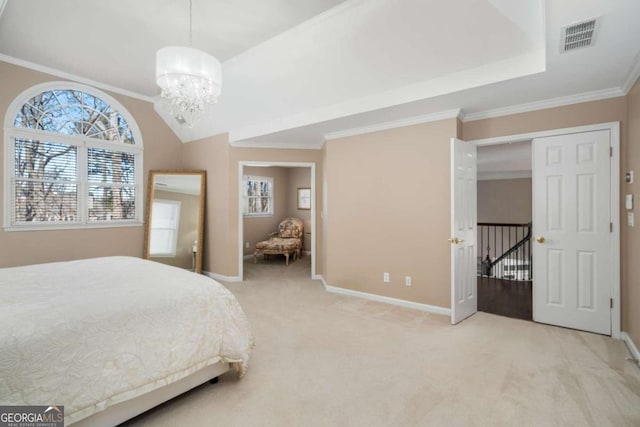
(508,250)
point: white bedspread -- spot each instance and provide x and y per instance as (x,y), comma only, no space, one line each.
(89,334)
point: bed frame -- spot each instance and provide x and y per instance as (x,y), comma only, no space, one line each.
(126,410)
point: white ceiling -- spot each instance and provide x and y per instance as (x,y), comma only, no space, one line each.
(504,161)
(295,71)
(115,41)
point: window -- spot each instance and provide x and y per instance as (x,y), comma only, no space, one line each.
(258,196)
(73,160)
(164,228)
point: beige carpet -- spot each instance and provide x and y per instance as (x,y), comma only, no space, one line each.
(328,360)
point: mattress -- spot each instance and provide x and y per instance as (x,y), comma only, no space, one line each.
(93,333)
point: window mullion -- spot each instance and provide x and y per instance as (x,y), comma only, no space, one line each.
(83,189)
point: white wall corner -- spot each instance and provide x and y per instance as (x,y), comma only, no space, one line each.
(635,353)
(386,300)
(222,277)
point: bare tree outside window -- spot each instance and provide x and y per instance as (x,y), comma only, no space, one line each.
(258,196)
(50,184)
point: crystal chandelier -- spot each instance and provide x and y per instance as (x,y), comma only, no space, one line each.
(190,80)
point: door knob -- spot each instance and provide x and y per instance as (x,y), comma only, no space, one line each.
(455,240)
(540,239)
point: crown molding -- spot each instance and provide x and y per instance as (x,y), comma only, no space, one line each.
(633,76)
(579,98)
(68,76)
(279,145)
(409,121)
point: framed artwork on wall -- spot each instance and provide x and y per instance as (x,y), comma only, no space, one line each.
(304,198)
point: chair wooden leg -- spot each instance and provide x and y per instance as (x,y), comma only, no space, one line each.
(287,256)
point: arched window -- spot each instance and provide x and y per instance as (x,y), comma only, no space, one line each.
(74,160)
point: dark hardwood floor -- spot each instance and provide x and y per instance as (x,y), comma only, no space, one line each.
(508,298)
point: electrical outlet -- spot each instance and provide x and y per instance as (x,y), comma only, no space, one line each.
(630,219)
(246,245)
(407,280)
(386,278)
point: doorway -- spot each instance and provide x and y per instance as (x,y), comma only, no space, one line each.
(504,260)
(562,285)
(283,183)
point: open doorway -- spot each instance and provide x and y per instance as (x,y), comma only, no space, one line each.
(272,194)
(576,223)
(505,215)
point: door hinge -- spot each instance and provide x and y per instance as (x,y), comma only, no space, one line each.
(610,227)
(610,151)
(610,302)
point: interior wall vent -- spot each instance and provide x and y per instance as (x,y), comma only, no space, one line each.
(578,36)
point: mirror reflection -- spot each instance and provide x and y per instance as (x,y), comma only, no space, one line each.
(175,216)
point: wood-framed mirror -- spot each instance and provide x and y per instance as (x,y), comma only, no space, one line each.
(175,218)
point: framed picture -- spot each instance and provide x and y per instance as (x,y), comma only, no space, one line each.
(304,198)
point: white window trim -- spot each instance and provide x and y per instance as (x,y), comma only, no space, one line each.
(10,132)
(174,243)
(269,179)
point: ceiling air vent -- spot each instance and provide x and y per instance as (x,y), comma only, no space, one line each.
(577,36)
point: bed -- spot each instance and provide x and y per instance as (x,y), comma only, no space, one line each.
(109,338)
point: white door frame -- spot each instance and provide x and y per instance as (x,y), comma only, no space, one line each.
(241,165)
(614,129)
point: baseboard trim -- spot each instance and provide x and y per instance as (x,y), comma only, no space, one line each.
(631,346)
(381,298)
(222,277)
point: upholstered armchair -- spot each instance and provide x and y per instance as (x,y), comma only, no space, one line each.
(286,241)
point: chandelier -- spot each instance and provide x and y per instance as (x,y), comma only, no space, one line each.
(190,80)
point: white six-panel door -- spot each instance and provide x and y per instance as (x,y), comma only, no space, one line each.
(571,222)
(464,284)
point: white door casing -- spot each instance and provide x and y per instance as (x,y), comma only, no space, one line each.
(464,284)
(571,222)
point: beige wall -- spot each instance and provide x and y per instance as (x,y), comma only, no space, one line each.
(257,229)
(187,229)
(299,178)
(212,154)
(588,113)
(222,163)
(631,314)
(388,211)
(162,150)
(505,200)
